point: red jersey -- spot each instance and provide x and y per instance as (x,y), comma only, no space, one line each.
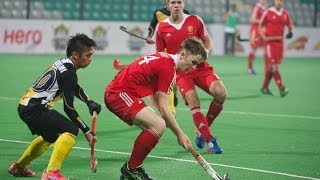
(146,75)
(256,13)
(170,36)
(275,21)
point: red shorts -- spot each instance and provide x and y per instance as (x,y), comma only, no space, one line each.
(256,40)
(274,52)
(202,77)
(124,105)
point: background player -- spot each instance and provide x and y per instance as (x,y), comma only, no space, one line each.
(171,32)
(274,21)
(58,81)
(256,40)
(151,75)
(158,16)
(231,19)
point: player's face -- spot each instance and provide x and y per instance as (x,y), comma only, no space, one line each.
(278,4)
(263,2)
(84,59)
(188,61)
(176,6)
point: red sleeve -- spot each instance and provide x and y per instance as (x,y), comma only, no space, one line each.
(202,31)
(254,12)
(288,22)
(263,19)
(167,77)
(160,43)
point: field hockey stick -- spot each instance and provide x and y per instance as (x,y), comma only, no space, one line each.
(93,161)
(117,65)
(206,166)
(124,29)
(242,39)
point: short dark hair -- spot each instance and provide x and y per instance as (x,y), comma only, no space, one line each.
(194,46)
(78,42)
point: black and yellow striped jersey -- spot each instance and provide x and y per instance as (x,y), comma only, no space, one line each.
(59,81)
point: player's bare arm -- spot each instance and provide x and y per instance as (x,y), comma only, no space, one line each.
(171,122)
(207,42)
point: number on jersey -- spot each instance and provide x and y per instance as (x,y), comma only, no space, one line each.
(146,59)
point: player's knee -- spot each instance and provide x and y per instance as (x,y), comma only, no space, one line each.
(159,126)
(220,95)
(223,95)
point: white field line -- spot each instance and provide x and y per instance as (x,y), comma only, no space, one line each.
(181,160)
(224,111)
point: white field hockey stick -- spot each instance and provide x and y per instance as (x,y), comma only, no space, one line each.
(93,161)
(206,166)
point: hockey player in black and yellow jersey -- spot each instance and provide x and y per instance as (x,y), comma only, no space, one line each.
(59,81)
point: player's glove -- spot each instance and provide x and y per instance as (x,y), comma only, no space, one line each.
(289,35)
(93,106)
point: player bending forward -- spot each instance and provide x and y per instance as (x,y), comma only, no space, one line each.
(171,32)
(152,75)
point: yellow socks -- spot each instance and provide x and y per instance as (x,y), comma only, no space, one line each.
(171,104)
(35,149)
(61,150)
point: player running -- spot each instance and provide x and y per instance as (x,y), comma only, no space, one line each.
(152,75)
(274,21)
(35,109)
(256,40)
(171,32)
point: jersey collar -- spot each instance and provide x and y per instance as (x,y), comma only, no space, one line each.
(175,58)
(273,9)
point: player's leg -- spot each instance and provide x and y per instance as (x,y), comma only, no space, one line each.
(255,43)
(133,110)
(171,103)
(278,79)
(185,83)
(37,147)
(213,86)
(233,43)
(175,97)
(250,58)
(153,126)
(219,93)
(58,124)
(276,70)
(199,119)
(268,69)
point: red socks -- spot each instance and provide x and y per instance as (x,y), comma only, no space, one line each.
(267,78)
(250,60)
(145,142)
(277,78)
(201,123)
(213,112)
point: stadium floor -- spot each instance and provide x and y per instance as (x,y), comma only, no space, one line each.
(263,137)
